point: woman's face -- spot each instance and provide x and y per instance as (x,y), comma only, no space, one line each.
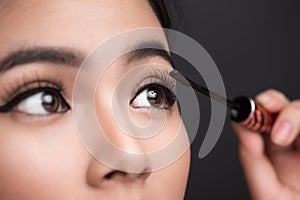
(41,156)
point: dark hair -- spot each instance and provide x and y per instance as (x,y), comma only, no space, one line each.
(160,9)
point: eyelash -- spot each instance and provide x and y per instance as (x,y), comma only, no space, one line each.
(156,77)
(24,88)
(26,83)
(33,86)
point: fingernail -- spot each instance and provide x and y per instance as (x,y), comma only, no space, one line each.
(264,98)
(282,133)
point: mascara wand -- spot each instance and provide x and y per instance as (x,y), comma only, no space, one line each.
(243,110)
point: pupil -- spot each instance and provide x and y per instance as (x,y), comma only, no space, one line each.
(154,96)
(50,101)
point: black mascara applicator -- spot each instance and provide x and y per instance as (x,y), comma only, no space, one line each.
(243,110)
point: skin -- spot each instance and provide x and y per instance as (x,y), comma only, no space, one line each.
(272,167)
(43,157)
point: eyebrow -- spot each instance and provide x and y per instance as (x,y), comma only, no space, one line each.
(149,49)
(55,55)
(73,58)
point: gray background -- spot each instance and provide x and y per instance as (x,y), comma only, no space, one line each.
(255,45)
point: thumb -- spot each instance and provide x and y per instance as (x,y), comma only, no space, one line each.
(260,174)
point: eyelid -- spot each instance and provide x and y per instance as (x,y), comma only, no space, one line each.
(27,81)
(158,76)
(16,86)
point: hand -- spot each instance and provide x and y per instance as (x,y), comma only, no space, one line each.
(272,165)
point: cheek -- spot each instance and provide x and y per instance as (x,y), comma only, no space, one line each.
(34,162)
(170,182)
(153,132)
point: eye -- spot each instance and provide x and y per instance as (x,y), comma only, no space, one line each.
(153,95)
(43,103)
(38,101)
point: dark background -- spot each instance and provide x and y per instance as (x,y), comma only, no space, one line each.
(256,46)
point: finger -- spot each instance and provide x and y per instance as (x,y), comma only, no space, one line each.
(287,125)
(259,172)
(272,100)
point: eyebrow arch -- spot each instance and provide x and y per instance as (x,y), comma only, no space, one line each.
(71,57)
(143,51)
(55,55)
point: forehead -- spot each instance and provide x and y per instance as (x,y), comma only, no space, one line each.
(80,23)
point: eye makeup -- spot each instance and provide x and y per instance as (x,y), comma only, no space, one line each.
(158,76)
(25,88)
(157,84)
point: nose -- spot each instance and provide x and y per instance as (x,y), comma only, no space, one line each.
(122,168)
(102,176)
(125,156)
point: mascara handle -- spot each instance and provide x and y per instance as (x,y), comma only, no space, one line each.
(251,115)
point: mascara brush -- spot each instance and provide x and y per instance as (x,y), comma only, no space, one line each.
(243,110)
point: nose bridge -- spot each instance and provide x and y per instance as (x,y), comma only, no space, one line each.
(130,155)
(127,164)
(133,157)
